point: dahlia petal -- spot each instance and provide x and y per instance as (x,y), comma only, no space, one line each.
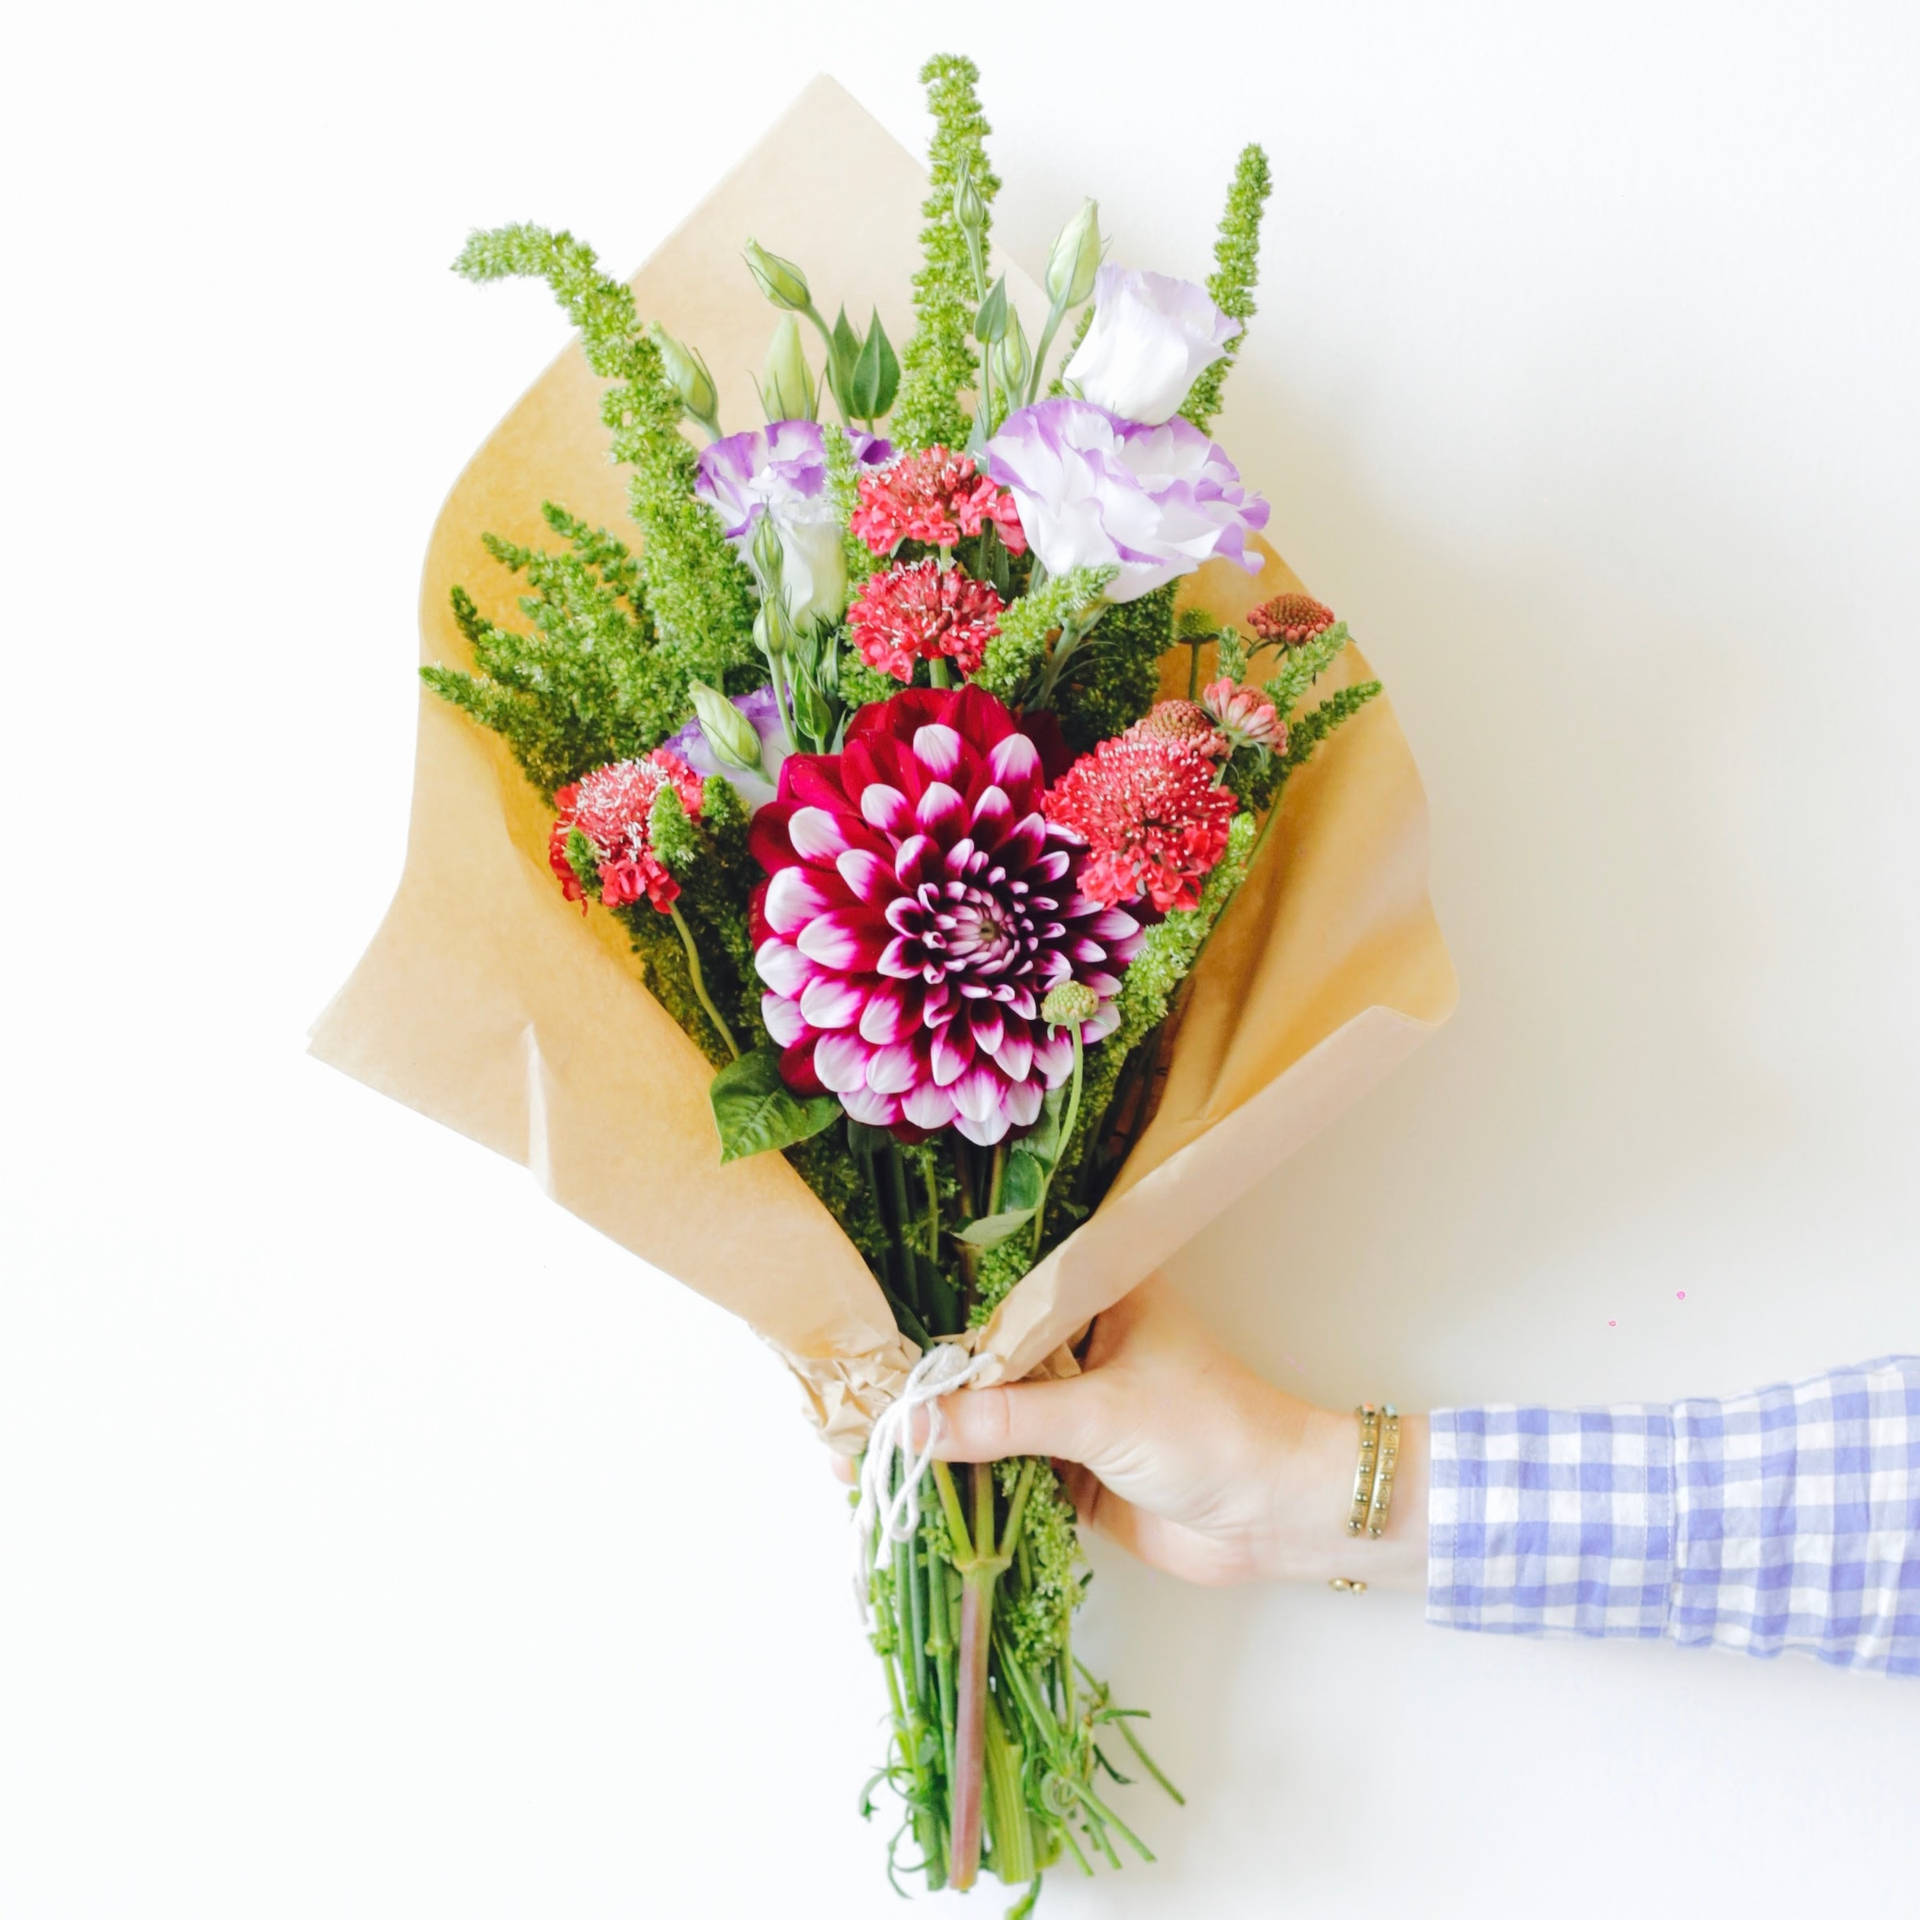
(928,1106)
(989,1029)
(885,807)
(916,860)
(1014,1055)
(885,1017)
(783,967)
(1049,866)
(848,942)
(1113,924)
(1102,1024)
(892,1069)
(1023,1103)
(940,812)
(1014,763)
(899,959)
(796,1069)
(938,749)
(868,877)
(785,1022)
(817,834)
(951,1053)
(1053,1057)
(794,896)
(987,1132)
(992,816)
(831,1002)
(980,1093)
(869,1108)
(840,1059)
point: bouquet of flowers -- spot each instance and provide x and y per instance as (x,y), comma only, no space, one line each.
(899,781)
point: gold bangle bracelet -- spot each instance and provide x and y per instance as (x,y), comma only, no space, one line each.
(1363,1473)
(1387,1459)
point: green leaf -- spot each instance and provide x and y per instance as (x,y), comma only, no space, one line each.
(990,324)
(991,1228)
(1024,1181)
(876,374)
(755,1111)
(846,355)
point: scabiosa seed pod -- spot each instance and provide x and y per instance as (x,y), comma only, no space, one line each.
(1069,1005)
(1293,619)
(1150,815)
(1183,721)
(1245,716)
(919,911)
(609,808)
(924,612)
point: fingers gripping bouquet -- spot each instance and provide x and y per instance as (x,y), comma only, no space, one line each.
(865,752)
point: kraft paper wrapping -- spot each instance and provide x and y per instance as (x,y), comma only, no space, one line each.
(490,1004)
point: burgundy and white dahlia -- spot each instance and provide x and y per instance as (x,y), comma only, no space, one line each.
(919,907)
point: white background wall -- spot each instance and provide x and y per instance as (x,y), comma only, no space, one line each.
(374,1540)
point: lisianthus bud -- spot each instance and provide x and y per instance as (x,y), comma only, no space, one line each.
(728,731)
(1012,357)
(772,629)
(969,210)
(688,376)
(1075,258)
(765,552)
(786,381)
(1069,1005)
(780,280)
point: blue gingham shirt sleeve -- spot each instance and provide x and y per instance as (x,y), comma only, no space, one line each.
(1786,1518)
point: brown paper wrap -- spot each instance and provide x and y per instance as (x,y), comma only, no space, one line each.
(490,1004)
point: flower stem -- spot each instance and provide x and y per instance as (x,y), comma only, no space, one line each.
(700,981)
(1066,1134)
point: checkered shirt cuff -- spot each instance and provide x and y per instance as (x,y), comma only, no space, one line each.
(1786,1518)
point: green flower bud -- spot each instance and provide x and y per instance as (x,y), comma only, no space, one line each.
(1012,357)
(1075,258)
(688,375)
(969,210)
(772,628)
(780,280)
(728,731)
(1069,1005)
(786,381)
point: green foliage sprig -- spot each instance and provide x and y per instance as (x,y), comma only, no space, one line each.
(699,592)
(588,684)
(1116,677)
(1236,269)
(1016,655)
(938,362)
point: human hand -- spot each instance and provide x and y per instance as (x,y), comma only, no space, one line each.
(1193,1462)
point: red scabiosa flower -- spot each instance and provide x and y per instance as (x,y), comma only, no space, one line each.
(1245,715)
(1185,721)
(933,497)
(610,806)
(918,910)
(1150,816)
(924,612)
(1293,619)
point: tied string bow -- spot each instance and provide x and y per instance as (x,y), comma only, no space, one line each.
(889,1515)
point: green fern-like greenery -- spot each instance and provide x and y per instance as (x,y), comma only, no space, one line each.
(1236,257)
(938,362)
(1116,675)
(589,683)
(1017,653)
(699,593)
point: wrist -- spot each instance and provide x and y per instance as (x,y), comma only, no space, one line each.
(1314,1490)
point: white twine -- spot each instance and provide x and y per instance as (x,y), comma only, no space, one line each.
(893,1513)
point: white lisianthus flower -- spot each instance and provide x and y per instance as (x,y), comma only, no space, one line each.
(781,471)
(1096,491)
(1151,338)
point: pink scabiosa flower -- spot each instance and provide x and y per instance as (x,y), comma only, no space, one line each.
(610,806)
(924,612)
(933,497)
(1292,618)
(1245,715)
(1148,812)
(919,909)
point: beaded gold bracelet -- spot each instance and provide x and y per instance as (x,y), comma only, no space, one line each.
(1369,1419)
(1387,1459)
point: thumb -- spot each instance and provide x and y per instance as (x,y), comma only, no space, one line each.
(1057,1419)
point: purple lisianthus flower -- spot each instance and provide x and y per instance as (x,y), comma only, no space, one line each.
(1098,491)
(781,470)
(1151,338)
(756,786)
